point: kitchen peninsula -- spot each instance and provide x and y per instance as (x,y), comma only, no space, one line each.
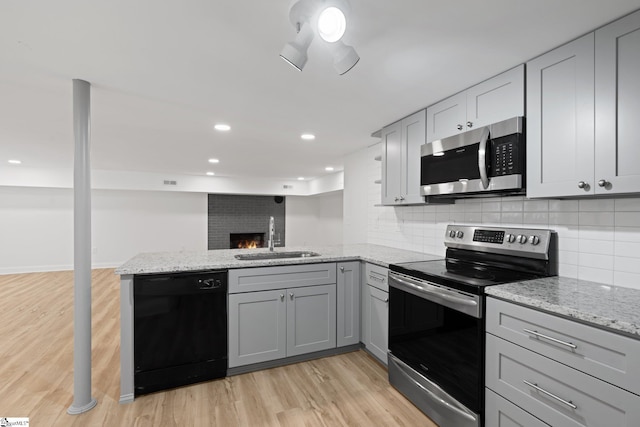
(330,259)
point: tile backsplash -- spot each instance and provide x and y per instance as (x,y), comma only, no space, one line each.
(598,239)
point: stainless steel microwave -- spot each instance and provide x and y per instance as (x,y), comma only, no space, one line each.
(490,159)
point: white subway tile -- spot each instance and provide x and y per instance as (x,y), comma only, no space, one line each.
(473,217)
(472,207)
(601,247)
(568,270)
(596,218)
(563,206)
(491,206)
(627,234)
(627,219)
(627,249)
(627,264)
(535,218)
(536,206)
(564,218)
(456,217)
(514,218)
(628,280)
(568,257)
(596,233)
(491,218)
(627,205)
(512,206)
(568,244)
(596,205)
(595,275)
(604,262)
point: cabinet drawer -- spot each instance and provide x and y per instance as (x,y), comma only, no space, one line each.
(499,412)
(564,397)
(605,355)
(377,276)
(285,276)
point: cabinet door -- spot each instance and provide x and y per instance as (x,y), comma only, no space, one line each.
(377,339)
(391,163)
(447,117)
(413,137)
(348,303)
(257,327)
(311,319)
(617,166)
(499,98)
(560,127)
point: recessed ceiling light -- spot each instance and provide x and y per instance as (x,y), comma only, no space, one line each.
(301,178)
(210,173)
(15,162)
(308,136)
(222,127)
(214,161)
(328,169)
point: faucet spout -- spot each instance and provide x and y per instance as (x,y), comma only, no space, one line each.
(272,232)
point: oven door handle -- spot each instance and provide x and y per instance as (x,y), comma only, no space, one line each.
(482,158)
(434,291)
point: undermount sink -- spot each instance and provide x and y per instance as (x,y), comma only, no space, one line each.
(276,255)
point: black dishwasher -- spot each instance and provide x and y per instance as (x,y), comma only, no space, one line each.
(180,329)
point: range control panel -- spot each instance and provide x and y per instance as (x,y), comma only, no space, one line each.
(529,242)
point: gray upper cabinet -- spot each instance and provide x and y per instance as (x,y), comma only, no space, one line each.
(582,101)
(617,91)
(348,303)
(493,100)
(401,143)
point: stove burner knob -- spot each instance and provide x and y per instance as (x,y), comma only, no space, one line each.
(459,234)
(452,233)
(522,239)
(534,240)
(511,238)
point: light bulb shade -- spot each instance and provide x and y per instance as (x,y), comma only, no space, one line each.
(332,24)
(344,57)
(295,52)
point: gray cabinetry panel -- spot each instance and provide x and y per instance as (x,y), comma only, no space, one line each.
(377,331)
(391,162)
(502,413)
(605,355)
(377,276)
(257,327)
(556,393)
(278,277)
(311,319)
(348,303)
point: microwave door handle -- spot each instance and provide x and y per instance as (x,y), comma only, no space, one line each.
(482,158)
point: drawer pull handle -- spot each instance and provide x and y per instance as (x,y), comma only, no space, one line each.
(546,337)
(379,279)
(559,399)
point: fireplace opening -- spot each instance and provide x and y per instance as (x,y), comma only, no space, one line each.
(246,240)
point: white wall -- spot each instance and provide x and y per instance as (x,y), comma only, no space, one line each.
(598,239)
(356,180)
(36,226)
(314,220)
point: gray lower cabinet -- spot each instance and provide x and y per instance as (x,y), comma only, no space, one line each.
(502,413)
(560,372)
(375,311)
(270,325)
(348,303)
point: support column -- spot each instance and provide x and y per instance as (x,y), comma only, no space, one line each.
(82,400)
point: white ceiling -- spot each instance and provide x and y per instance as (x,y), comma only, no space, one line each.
(163,72)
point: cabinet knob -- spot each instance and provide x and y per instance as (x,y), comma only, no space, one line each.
(583,185)
(402,198)
(281,297)
(291,295)
(603,183)
(396,199)
(459,127)
(469,124)
(386,300)
(341,269)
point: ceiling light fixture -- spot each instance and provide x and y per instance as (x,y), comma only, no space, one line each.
(14,162)
(329,169)
(328,18)
(214,161)
(222,127)
(210,173)
(308,136)
(301,178)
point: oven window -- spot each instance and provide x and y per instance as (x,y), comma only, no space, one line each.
(461,163)
(442,344)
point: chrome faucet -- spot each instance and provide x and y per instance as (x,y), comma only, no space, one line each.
(272,231)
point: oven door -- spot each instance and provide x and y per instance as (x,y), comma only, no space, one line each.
(436,346)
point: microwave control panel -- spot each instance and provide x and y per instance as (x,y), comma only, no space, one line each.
(506,156)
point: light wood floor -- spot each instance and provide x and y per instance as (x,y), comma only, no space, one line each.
(36,377)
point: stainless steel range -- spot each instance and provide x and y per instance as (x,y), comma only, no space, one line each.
(436,315)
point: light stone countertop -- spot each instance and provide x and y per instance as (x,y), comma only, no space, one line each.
(171,262)
(609,307)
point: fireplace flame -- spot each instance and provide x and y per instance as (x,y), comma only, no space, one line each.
(247,244)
